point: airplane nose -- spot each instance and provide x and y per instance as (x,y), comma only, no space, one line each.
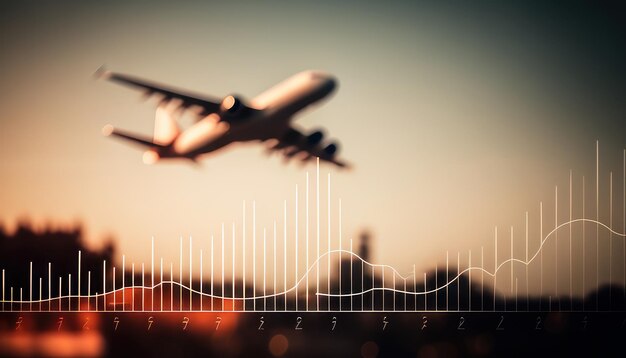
(327,81)
(331,82)
(324,77)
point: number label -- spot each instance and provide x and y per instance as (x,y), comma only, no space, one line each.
(461,323)
(261,328)
(18,323)
(218,321)
(500,326)
(150,321)
(59,323)
(385,323)
(116,320)
(334,323)
(185,323)
(298,323)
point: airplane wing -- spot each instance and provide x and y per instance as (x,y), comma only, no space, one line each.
(108,130)
(294,143)
(208,105)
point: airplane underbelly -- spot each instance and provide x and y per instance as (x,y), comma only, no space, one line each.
(207,132)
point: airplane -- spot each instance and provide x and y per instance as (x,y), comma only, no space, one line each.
(265,118)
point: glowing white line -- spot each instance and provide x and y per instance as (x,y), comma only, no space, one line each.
(310,269)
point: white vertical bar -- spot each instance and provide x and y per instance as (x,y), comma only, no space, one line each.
(180,276)
(114,293)
(190,274)
(597,217)
(132,278)
(201,274)
(79,254)
(307,243)
(373,286)
(447,278)
(274,292)
(171,286)
(495,266)
(233,273)
(143,285)
(317,206)
(328,273)
(49,286)
(584,245)
(414,288)
(296,255)
(511,259)
(123,277)
(526,261)
(31,286)
(104,284)
(69,292)
(352,282)
(152,276)
(285,251)
(254,255)
(3,292)
(264,269)
(610,233)
(469,289)
(340,258)
(482,278)
(40,294)
(222,293)
(161,284)
(405,292)
(212,271)
(393,293)
(540,253)
(571,289)
(88,290)
(458,291)
(243,261)
(556,242)
(425,295)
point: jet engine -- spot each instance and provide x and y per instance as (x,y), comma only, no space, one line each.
(314,138)
(331,149)
(231,105)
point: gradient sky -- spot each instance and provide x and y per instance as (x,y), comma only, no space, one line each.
(457,119)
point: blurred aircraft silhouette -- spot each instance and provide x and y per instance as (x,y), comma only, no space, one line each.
(265,118)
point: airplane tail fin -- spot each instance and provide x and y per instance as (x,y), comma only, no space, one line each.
(166,128)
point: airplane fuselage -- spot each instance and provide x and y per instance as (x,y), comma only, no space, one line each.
(274,108)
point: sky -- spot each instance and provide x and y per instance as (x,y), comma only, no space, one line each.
(457,118)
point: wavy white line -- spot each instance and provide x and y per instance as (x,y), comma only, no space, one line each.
(354,255)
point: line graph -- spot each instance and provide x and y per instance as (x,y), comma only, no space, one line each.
(338,279)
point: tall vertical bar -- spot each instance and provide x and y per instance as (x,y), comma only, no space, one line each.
(104,284)
(79,254)
(317,231)
(190,276)
(152,277)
